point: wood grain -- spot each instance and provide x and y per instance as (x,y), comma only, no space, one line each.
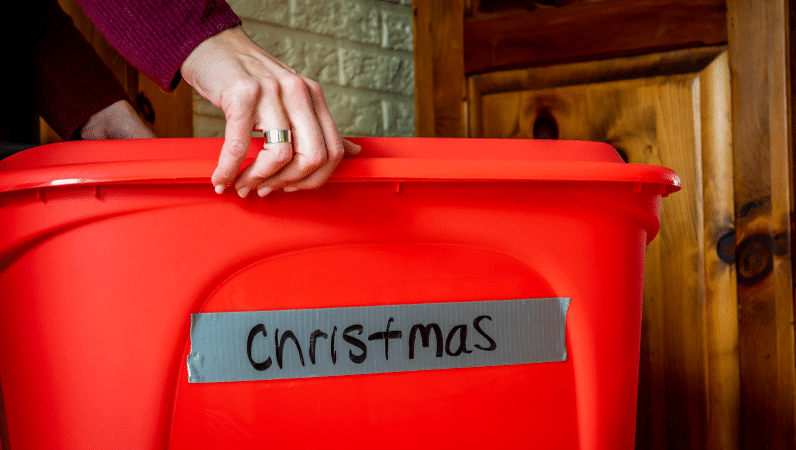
(721,299)
(424,68)
(494,8)
(758,38)
(584,31)
(439,68)
(668,109)
(173,111)
(585,73)
(718,356)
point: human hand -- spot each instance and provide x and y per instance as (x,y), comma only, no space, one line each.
(117,121)
(256,91)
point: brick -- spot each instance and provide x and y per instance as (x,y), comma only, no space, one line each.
(397,30)
(399,118)
(273,11)
(314,60)
(377,71)
(355,114)
(203,107)
(398,2)
(360,50)
(357,21)
(271,40)
(208,126)
(307,54)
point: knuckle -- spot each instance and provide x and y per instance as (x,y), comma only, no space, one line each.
(315,160)
(335,153)
(237,149)
(269,87)
(246,89)
(314,87)
(256,176)
(282,154)
(258,173)
(295,87)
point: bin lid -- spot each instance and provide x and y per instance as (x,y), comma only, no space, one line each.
(192,160)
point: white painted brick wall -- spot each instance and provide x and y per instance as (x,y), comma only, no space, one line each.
(359,50)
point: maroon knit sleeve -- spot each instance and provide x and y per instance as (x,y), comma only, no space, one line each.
(70,81)
(157,35)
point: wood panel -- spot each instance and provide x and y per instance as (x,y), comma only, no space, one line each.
(439,68)
(723,372)
(493,8)
(172,112)
(729,342)
(669,109)
(758,37)
(584,31)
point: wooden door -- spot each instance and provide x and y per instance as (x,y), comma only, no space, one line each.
(717,365)
(679,120)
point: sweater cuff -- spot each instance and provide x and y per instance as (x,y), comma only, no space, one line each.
(156,36)
(191,38)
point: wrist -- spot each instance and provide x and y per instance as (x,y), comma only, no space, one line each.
(233,38)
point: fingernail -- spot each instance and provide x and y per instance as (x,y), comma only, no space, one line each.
(244,191)
(220,188)
(263,191)
(290,189)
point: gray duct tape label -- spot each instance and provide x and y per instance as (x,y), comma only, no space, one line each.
(267,345)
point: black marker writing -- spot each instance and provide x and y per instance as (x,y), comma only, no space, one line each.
(259,328)
(477,326)
(425,336)
(280,345)
(358,359)
(386,335)
(461,330)
(313,338)
(454,344)
(334,353)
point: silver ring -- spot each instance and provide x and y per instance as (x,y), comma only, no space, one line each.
(277,136)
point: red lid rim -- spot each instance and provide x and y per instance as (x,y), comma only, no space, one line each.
(384,160)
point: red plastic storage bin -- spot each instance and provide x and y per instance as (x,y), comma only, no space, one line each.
(125,282)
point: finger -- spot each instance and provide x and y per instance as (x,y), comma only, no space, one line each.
(320,177)
(350,148)
(274,156)
(309,144)
(335,149)
(269,161)
(239,112)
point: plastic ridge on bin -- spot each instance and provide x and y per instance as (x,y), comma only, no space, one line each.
(459,160)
